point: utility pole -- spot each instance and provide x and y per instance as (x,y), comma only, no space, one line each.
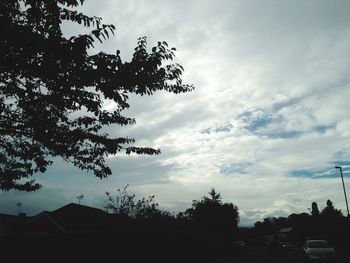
(342,179)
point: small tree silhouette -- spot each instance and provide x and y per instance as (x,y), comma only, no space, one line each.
(329,212)
(314,210)
(124,203)
(211,214)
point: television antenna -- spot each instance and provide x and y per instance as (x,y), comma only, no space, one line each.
(79,198)
(19,204)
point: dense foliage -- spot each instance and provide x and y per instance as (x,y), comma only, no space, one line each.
(52,90)
(329,224)
(125,203)
(211,214)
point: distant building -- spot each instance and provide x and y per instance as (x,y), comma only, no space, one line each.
(71,218)
(43,223)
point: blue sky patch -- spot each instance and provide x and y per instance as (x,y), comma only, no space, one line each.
(256,119)
(342,163)
(258,123)
(284,134)
(224,128)
(302,173)
(330,173)
(235,168)
(323,128)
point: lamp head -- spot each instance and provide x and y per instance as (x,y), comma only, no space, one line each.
(337,167)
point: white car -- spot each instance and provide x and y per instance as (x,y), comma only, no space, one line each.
(319,250)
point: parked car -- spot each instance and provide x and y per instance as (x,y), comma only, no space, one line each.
(319,250)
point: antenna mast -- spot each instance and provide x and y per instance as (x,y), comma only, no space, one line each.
(79,198)
(19,204)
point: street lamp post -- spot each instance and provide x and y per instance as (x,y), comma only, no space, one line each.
(342,179)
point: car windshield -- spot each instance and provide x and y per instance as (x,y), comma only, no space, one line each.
(319,244)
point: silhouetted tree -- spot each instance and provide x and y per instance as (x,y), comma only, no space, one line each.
(329,212)
(301,224)
(315,229)
(314,210)
(328,224)
(267,226)
(332,223)
(52,91)
(282,222)
(124,203)
(147,208)
(211,214)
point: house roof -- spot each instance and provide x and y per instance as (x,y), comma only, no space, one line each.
(45,215)
(75,217)
(69,218)
(77,208)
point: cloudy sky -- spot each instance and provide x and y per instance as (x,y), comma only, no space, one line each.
(265,126)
